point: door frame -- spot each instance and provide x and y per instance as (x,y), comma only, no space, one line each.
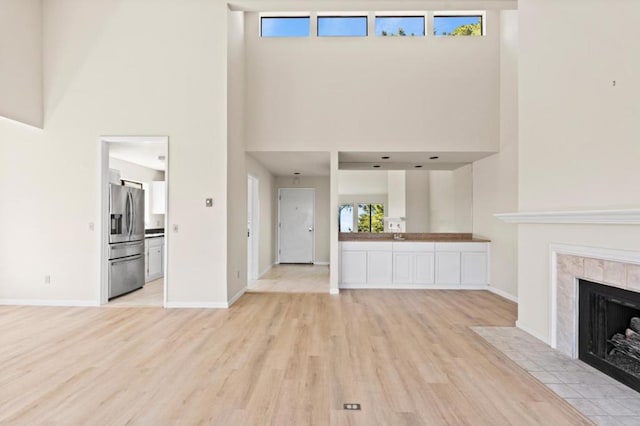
(313,237)
(103,226)
(253,267)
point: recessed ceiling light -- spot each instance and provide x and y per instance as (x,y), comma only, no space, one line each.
(386,157)
(375,166)
(417,166)
(434,158)
(296,173)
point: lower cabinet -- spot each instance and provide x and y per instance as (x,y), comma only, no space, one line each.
(354,267)
(154,258)
(379,267)
(413,264)
(413,268)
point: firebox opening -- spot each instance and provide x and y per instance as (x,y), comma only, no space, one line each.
(609,331)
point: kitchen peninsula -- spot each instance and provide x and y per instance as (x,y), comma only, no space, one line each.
(413,260)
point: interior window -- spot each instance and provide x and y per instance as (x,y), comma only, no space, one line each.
(371,218)
(284,26)
(346,218)
(457,25)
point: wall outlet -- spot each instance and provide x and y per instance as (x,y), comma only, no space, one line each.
(208,202)
(47,279)
(91,226)
(175,228)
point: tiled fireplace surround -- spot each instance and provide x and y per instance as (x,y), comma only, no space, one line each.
(614,268)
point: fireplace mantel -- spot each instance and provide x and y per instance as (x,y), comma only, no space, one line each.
(598,217)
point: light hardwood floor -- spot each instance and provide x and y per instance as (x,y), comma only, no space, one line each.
(293,279)
(150,295)
(408,357)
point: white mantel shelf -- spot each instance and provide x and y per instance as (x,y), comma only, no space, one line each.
(601,217)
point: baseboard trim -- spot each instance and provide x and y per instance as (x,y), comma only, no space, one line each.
(263,273)
(334,291)
(197,305)
(236,296)
(503,294)
(321,263)
(412,287)
(47,302)
(529,330)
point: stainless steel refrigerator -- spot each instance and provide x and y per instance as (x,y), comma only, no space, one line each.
(126,239)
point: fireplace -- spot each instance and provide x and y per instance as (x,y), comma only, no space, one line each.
(609,331)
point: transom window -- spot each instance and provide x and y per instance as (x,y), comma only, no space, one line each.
(342,26)
(284,26)
(402,26)
(453,25)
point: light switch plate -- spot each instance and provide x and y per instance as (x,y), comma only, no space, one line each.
(208,202)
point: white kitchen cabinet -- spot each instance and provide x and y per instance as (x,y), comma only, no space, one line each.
(354,267)
(423,267)
(413,268)
(154,258)
(474,268)
(411,264)
(158,197)
(403,268)
(448,267)
(379,267)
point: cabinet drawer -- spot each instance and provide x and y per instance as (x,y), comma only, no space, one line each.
(413,247)
(155,242)
(478,247)
(359,246)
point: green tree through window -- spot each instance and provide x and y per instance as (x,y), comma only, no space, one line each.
(370,218)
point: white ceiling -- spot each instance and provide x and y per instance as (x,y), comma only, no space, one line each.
(284,163)
(141,153)
(408,160)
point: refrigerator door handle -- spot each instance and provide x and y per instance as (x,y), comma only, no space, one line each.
(129,214)
(133,215)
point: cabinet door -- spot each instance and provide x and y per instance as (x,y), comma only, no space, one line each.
(474,268)
(354,267)
(403,268)
(155,262)
(380,267)
(423,267)
(146,261)
(448,267)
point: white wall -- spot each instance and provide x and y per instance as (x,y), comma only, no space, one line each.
(106,76)
(370,93)
(137,173)
(396,194)
(267,195)
(362,182)
(417,187)
(578,133)
(463,199)
(322,212)
(21,61)
(495,178)
(236,162)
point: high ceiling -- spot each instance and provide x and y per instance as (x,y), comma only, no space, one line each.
(287,163)
(408,160)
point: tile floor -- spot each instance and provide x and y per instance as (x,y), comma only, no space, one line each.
(596,395)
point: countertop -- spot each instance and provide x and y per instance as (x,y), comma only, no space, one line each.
(153,233)
(411,237)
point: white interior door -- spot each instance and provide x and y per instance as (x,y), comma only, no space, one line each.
(296,225)
(253,225)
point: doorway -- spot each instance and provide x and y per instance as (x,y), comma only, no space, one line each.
(253,227)
(296,225)
(134,208)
